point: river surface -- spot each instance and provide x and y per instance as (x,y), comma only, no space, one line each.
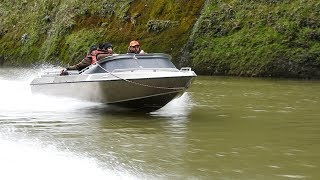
(221,128)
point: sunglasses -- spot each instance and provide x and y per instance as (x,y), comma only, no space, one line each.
(136,46)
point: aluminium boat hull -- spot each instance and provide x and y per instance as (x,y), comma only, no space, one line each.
(134,93)
(142,84)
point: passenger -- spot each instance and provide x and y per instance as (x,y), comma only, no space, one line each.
(85,62)
(104,50)
(134,47)
(94,54)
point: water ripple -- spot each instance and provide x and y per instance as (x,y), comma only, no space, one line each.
(293,176)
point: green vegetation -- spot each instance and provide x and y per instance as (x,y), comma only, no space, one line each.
(277,38)
(59,32)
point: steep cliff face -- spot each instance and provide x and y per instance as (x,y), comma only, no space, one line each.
(61,31)
(278,38)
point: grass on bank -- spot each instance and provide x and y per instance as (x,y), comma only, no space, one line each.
(59,32)
(259,38)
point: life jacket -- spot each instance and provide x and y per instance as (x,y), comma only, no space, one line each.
(95,54)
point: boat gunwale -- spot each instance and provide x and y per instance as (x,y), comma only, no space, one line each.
(106,80)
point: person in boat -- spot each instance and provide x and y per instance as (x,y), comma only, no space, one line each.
(94,54)
(134,47)
(104,50)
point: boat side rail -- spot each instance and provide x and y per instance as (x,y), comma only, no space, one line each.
(84,69)
(145,69)
(57,73)
(49,73)
(183,69)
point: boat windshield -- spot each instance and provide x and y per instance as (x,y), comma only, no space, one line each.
(131,61)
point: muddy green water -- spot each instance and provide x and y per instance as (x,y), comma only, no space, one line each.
(222,128)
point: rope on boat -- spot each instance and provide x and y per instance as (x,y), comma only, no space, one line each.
(136,83)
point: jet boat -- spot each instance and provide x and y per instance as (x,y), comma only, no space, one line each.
(146,81)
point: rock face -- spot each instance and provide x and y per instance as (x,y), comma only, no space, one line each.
(269,38)
(56,31)
(233,37)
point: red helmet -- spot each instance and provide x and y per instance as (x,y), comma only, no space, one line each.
(134,43)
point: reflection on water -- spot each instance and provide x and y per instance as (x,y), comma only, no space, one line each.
(256,128)
(222,128)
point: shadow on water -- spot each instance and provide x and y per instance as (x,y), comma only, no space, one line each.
(176,109)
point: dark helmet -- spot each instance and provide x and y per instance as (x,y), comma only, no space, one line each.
(92,48)
(106,45)
(100,45)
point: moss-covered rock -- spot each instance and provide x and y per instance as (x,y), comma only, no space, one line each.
(258,38)
(36,31)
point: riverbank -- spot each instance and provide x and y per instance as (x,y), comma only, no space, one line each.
(258,38)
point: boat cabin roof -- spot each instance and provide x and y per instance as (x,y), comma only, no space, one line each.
(131,61)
